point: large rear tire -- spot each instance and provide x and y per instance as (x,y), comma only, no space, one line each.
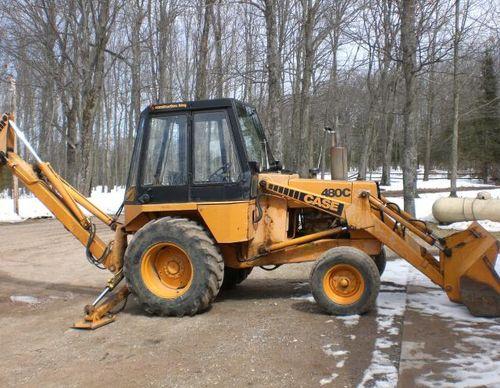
(345,281)
(234,276)
(173,267)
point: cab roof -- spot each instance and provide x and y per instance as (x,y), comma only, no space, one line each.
(195,105)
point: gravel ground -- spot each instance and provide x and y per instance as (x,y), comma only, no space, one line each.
(267,332)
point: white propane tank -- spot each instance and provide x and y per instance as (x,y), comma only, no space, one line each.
(483,207)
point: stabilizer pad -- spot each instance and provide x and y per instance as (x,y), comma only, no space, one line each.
(91,325)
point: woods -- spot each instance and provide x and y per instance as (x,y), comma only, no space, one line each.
(404,83)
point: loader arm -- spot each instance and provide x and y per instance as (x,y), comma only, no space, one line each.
(465,269)
(66,203)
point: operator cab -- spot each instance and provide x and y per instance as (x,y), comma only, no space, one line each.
(197,151)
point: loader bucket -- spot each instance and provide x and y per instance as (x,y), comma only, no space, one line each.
(469,270)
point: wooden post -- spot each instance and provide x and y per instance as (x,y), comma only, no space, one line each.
(12,111)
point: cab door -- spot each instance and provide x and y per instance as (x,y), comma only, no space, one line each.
(217,173)
(164,175)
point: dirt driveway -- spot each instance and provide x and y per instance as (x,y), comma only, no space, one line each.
(267,332)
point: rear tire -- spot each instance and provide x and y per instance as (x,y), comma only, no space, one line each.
(173,267)
(234,276)
(345,281)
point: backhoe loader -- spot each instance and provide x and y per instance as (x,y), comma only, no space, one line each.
(206,202)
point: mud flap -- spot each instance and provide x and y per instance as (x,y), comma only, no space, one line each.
(469,272)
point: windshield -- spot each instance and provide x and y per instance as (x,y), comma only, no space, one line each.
(253,135)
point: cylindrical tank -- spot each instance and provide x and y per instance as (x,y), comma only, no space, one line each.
(483,207)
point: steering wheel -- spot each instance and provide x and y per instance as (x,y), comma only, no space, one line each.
(219,174)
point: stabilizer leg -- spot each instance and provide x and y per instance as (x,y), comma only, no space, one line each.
(100,315)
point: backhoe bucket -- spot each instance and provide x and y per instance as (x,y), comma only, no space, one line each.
(469,273)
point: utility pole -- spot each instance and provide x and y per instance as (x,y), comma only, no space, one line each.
(12,111)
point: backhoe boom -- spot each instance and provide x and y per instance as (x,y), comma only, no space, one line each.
(64,202)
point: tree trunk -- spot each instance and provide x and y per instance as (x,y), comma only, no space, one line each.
(454,136)
(390,130)
(305,96)
(219,71)
(273,78)
(201,70)
(408,45)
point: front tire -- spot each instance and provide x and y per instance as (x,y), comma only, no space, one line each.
(345,281)
(173,267)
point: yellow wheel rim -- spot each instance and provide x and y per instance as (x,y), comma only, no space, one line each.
(343,284)
(167,270)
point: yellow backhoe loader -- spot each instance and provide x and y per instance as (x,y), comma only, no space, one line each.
(206,202)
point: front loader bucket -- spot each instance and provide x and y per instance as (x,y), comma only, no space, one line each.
(469,270)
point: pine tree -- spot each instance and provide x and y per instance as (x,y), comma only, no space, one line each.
(482,133)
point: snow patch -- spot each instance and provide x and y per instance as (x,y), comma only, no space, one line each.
(340,355)
(476,364)
(328,380)
(349,320)
(306,297)
(31,207)
(383,371)
(490,226)
(24,299)
(423,204)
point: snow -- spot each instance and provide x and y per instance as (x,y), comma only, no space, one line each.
(463,365)
(31,207)
(438,180)
(306,297)
(328,380)
(475,358)
(490,226)
(24,299)
(423,204)
(434,183)
(340,357)
(349,320)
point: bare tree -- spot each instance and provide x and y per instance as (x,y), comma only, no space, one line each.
(201,69)
(409,46)
(456,101)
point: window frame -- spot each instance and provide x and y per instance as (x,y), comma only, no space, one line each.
(146,145)
(234,140)
(163,193)
(241,190)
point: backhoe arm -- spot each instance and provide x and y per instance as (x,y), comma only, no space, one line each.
(60,198)
(65,203)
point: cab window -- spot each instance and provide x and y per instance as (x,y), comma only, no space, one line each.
(166,152)
(215,157)
(253,137)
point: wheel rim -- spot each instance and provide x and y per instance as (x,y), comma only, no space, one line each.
(343,284)
(167,270)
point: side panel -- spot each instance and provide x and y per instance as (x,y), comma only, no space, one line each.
(228,222)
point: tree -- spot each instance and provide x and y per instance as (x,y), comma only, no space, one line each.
(409,46)
(481,133)
(201,91)
(456,106)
